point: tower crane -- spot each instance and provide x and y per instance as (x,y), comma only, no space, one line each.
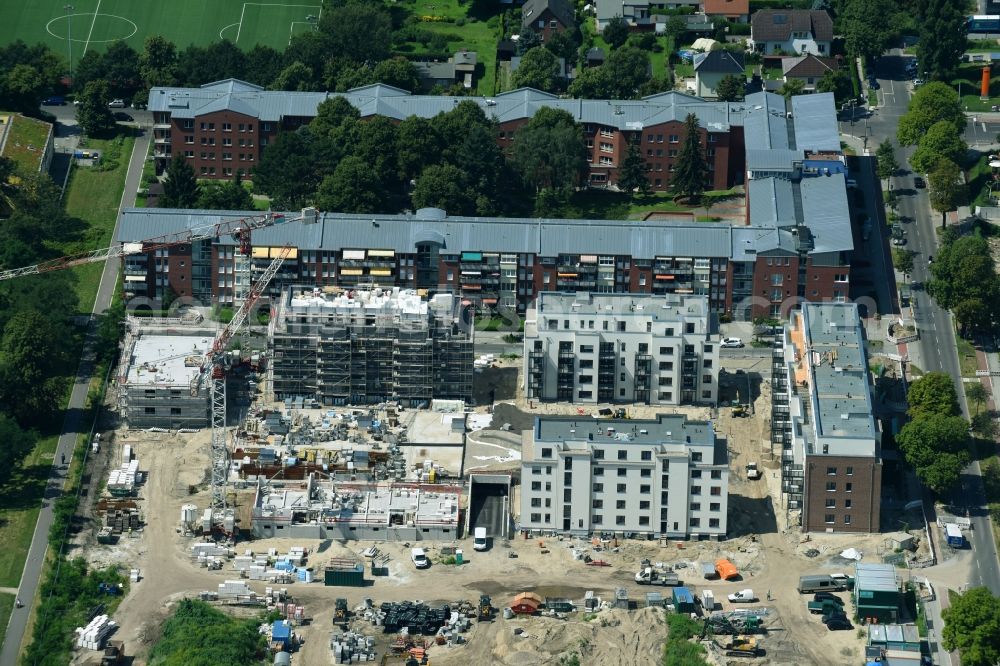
(214,364)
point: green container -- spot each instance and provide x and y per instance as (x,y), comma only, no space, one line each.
(345,577)
(458,556)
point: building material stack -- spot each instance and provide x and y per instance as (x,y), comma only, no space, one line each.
(121,481)
(92,636)
(349,648)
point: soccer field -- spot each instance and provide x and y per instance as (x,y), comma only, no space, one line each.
(93,24)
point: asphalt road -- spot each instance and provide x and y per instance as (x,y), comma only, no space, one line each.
(937,335)
(73,424)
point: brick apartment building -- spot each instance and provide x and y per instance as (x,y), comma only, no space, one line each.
(823,419)
(223,127)
(795,245)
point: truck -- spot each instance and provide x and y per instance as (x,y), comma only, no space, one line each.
(953,535)
(825,583)
(479,539)
(753,472)
(742,646)
(742,597)
(652,576)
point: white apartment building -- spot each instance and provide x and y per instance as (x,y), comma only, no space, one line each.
(655,349)
(663,477)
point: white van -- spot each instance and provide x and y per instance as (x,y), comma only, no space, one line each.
(419,558)
(479,539)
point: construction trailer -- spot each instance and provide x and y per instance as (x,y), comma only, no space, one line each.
(878,595)
(370,345)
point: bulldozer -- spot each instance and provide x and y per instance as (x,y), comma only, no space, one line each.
(485,611)
(340,612)
(741,411)
(742,646)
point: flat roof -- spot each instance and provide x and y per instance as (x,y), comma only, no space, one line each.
(665,307)
(872,577)
(664,429)
(167,360)
(435,428)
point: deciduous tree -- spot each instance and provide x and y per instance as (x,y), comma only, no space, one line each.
(288,170)
(931,103)
(228,195)
(296,77)
(943,27)
(359,31)
(548,150)
(354,187)
(691,167)
(615,32)
(886,164)
(92,113)
(867,26)
(837,82)
(32,361)
(977,394)
(972,626)
(936,447)
(539,69)
(443,186)
(791,87)
(945,187)
(934,393)
(941,140)
(731,88)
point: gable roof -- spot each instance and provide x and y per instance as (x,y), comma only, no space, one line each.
(727,7)
(719,62)
(561,9)
(808,65)
(776,25)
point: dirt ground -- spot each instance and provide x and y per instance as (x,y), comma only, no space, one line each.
(768,554)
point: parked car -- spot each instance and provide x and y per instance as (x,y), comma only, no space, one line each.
(117,104)
(123,117)
(419,558)
(836,615)
(732,343)
(55,100)
(828,596)
(138,105)
(899,241)
(839,624)
(919,183)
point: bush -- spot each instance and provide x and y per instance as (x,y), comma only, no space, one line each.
(460,22)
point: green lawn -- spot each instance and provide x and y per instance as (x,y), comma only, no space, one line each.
(980,175)
(94,196)
(600,205)
(966,357)
(6,607)
(96,23)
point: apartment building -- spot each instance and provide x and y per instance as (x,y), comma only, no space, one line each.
(223,127)
(661,477)
(823,419)
(635,348)
(366,346)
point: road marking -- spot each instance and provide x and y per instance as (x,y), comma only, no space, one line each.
(92,22)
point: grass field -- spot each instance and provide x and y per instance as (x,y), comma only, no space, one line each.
(93,196)
(96,23)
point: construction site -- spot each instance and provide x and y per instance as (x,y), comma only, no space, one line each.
(366,346)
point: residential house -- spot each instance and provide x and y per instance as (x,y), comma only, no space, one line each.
(460,69)
(737,11)
(637,14)
(791,31)
(710,68)
(547,17)
(808,69)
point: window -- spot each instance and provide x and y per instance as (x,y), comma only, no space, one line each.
(622,471)
(536,502)
(189,138)
(596,519)
(696,474)
(619,520)
(547,453)
(642,280)
(706,379)
(696,522)
(645,473)
(536,517)
(644,489)
(607,147)
(696,456)
(598,454)
(848,487)
(227,127)
(716,474)
(622,453)
(646,455)
(227,142)
(828,519)
(696,490)
(188,153)
(848,503)
(831,486)
(831,503)
(620,504)
(536,485)
(598,487)
(621,487)
(850,471)
(847,519)
(598,471)
(714,506)
(840,277)
(537,471)
(606,161)
(715,490)
(227,156)
(644,520)
(674,138)
(831,471)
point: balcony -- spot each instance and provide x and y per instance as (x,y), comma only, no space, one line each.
(161,126)
(162,141)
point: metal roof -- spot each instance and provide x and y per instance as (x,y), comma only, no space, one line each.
(772,160)
(765,124)
(771,202)
(813,122)
(826,212)
(876,577)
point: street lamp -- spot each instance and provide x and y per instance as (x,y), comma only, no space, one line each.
(69,35)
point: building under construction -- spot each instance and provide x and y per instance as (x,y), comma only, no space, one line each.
(368,346)
(157,379)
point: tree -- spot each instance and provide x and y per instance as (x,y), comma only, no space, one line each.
(628,68)
(615,33)
(632,175)
(936,447)
(31,364)
(731,88)
(362,32)
(229,195)
(181,188)
(263,64)
(837,82)
(16,445)
(675,27)
(158,62)
(289,170)
(548,151)
(941,140)
(354,187)
(962,271)
(564,44)
(934,393)
(946,188)
(942,38)
(984,426)
(398,72)
(886,164)
(691,168)
(977,394)
(23,87)
(973,315)
(930,103)
(902,260)
(419,144)
(529,39)
(791,87)
(539,69)
(121,69)
(867,27)
(443,186)
(972,626)
(92,113)
(217,61)
(297,76)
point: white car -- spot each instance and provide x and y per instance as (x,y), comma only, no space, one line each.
(732,343)
(117,104)
(419,558)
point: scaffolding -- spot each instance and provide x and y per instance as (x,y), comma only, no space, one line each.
(368,346)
